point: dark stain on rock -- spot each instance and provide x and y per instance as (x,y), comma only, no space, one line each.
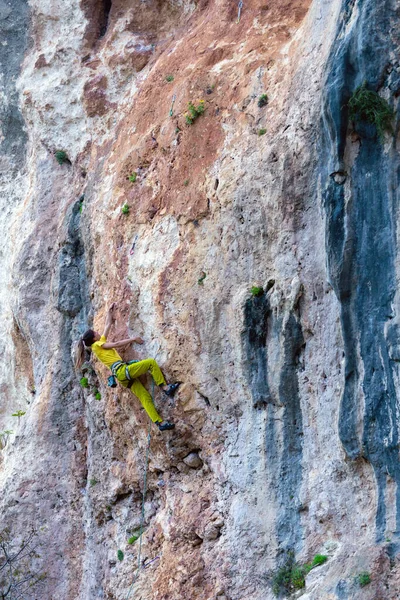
(361,244)
(257,312)
(14,30)
(266,330)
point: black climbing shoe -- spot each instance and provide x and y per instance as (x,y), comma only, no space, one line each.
(164,425)
(171,389)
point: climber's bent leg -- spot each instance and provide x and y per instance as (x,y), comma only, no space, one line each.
(149,364)
(146,400)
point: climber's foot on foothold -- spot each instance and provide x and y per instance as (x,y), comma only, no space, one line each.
(165,425)
(170,389)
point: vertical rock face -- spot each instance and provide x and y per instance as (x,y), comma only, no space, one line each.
(286,441)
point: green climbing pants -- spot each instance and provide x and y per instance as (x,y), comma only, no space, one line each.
(136,370)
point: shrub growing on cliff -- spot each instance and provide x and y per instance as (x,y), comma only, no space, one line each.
(262,101)
(256,291)
(120,555)
(84,382)
(61,157)
(291,576)
(364,578)
(368,106)
(194,112)
(169,78)
(125,209)
(18,413)
(133,177)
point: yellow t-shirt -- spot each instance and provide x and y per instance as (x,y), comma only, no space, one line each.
(107,356)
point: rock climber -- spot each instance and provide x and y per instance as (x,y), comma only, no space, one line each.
(126,373)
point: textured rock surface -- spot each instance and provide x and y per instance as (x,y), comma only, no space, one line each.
(287,434)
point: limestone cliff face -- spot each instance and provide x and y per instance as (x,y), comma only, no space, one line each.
(287,426)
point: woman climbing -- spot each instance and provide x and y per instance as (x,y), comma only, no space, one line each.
(126,373)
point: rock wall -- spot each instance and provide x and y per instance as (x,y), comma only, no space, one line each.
(286,439)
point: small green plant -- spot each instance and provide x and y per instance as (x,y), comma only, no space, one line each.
(288,578)
(202,278)
(169,78)
(84,382)
(177,130)
(262,131)
(81,199)
(61,157)
(194,112)
(256,291)
(368,106)
(262,100)
(133,539)
(93,482)
(319,559)
(291,576)
(97,396)
(133,177)
(364,578)
(18,413)
(125,209)
(186,182)
(120,555)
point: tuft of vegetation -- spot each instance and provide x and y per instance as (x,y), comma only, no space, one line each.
(120,555)
(368,106)
(262,100)
(84,382)
(133,177)
(262,131)
(202,278)
(186,182)
(61,157)
(169,78)
(256,291)
(97,396)
(364,578)
(194,112)
(81,199)
(93,482)
(18,413)
(319,559)
(125,209)
(291,576)
(133,539)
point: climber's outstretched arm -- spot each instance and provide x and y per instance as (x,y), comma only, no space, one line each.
(109,319)
(121,343)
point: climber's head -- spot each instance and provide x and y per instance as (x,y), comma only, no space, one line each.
(89,337)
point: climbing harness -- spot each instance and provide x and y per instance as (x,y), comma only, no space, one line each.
(133,245)
(114,368)
(171,111)
(143,499)
(240,6)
